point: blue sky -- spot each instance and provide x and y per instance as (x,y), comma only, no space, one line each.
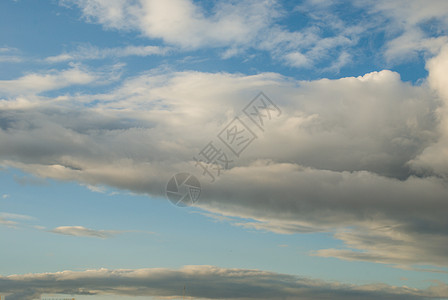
(343,191)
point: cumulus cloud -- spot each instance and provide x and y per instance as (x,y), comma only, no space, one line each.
(435,157)
(205,282)
(343,154)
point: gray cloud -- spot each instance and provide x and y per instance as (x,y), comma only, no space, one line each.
(204,282)
(344,153)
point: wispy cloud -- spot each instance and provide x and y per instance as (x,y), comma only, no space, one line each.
(405,23)
(84,232)
(327,36)
(13,220)
(235,27)
(56,79)
(92,52)
(81,231)
(6,222)
(10,55)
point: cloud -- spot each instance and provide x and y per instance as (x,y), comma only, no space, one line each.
(412,26)
(12,220)
(435,157)
(9,55)
(235,26)
(181,22)
(7,49)
(327,36)
(389,245)
(91,52)
(53,80)
(6,222)
(97,189)
(205,282)
(10,59)
(81,231)
(345,153)
(84,232)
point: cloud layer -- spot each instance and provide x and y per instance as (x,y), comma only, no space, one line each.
(204,282)
(364,152)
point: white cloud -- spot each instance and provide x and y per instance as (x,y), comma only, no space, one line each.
(91,52)
(84,232)
(235,26)
(406,25)
(297,59)
(7,49)
(36,83)
(205,282)
(12,220)
(328,37)
(10,59)
(181,22)
(10,55)
(81,231)
(15,216)
(435,157)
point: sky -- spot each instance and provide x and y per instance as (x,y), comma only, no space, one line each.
(224,149)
